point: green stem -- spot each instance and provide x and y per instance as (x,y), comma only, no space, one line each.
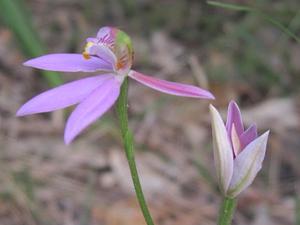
(226,211)
(129,150)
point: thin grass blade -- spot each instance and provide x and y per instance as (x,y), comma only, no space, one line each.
(17,19)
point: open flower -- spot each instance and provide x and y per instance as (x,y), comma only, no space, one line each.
(238,153)
(111,54)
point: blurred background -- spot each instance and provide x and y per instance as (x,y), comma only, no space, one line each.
(238,55)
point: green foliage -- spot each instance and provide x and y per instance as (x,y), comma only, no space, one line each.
(18,20)
(259,13)
(24,180)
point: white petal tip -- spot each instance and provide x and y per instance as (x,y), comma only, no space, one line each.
(267,133)
(264,137)
(212,109)
(232,102)
(25,63)
(210,96)
(25,110)
(203,94)
(19,114)
(22,112)
(68,139)
(28,63)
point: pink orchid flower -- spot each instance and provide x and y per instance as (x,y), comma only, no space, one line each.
(238,153)
(111,54)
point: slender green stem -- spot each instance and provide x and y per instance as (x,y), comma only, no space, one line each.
(226,211)
(129,150)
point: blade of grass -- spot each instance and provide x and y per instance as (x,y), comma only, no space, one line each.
(258,12)
(230,6)
(281,27)
(18,20)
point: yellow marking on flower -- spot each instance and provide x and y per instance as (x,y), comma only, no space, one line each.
(119,65)
(85,53)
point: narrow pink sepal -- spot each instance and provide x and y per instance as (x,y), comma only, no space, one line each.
(248,136)
(234,117)
(170,87)
(62,96)
(92,108)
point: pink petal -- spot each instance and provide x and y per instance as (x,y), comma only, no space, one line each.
(69,63)
(171,87)
(248,136)
(247,164)
(104,53)
(234,117)
(92,39)
(92,108)
(62,96)
(107,36)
